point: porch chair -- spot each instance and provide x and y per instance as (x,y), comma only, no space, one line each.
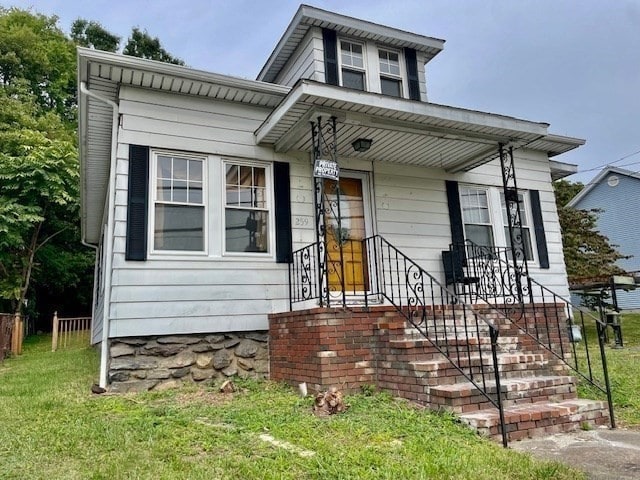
(454,273)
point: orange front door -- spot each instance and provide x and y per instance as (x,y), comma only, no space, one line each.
(346,255)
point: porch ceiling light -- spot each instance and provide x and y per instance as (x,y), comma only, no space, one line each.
(362,144)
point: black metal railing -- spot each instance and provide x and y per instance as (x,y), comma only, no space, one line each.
(486,275)
(463,335)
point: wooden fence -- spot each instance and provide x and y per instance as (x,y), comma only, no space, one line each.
(11,334)
(6,328)
(69,332)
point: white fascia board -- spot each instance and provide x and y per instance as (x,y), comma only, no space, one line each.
(162,68)
(351,23)
(562,169)
(308,16)
(293,25)
(442,112)
(564,140)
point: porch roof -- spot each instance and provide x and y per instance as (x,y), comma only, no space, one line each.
(403,131)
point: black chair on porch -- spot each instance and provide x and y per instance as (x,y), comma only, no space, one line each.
(464,285)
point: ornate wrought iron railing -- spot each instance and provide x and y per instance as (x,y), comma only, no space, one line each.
(486,275)
(463,335)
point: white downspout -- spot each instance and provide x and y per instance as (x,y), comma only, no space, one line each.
(111,192)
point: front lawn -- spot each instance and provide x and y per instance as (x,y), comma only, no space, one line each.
(52,427)
(624,372)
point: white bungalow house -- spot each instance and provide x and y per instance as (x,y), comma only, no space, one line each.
(217,234)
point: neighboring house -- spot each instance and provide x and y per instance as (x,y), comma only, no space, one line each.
(615,192)
(198,191)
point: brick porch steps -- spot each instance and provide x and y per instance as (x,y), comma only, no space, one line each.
(512,365)
(464,396)
(377,345)
(539,418)
(453,341)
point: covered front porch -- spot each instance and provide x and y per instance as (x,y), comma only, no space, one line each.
(392,291)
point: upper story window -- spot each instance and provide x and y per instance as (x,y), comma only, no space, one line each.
(178,203)
(352,65)
(246,208)
(390,77)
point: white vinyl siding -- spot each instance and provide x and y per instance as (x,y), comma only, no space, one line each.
(307,60)
(412,212)
(196,292)
(217,292)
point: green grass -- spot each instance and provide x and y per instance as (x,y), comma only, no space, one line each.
(624,373)
(52,427)
(624,370)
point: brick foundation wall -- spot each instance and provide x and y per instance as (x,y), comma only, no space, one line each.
(357,346)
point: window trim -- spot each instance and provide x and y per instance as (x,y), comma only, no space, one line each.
(270,209)
(363,69)
(494,204)
(153,186)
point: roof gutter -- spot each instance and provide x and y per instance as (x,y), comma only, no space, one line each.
(104,348)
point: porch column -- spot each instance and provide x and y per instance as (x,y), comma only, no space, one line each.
(514,222)
(325,165)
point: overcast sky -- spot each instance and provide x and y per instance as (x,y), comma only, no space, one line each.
(572,63)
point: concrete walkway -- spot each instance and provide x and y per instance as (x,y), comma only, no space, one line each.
(603,454)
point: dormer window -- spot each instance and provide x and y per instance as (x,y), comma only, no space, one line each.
(352,67)
(390,77)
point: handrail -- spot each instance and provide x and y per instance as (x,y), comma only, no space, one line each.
(453,327)
(507,290)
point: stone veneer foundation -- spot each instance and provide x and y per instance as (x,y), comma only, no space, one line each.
(160,362)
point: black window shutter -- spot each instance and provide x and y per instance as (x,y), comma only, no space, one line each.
(455,212)
(282,194)
(412,73)
(538,225)
(330,44)
(136,248)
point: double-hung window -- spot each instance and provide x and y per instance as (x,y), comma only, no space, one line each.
(178,206)
(352,65)
(523,235)
(476,216)
(246,208)
(390,77)
(486,222)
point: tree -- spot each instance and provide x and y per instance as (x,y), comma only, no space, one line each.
(91,34)
(38,188)
(587,253)
(141,44)
(39,175)
(34,51)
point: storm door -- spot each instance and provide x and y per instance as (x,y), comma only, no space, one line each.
(347,265)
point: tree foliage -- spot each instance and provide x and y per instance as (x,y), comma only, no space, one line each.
(36,53)
(38,188)
(141,44)
(587,253)
(40,249)
(92,34)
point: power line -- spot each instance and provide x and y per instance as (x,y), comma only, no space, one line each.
(611,163)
